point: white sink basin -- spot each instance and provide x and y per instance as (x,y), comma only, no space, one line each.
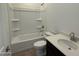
(66,44)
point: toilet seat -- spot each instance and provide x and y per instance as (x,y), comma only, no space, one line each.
(40,43)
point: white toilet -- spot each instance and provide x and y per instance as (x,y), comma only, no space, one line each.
(40,47)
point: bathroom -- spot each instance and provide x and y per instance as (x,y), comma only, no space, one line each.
(22,25)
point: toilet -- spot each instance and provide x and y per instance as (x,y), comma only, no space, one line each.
(40,47)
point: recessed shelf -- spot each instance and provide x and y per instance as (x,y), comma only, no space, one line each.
(39,19)
(39,27)
(16,29)
(15,20)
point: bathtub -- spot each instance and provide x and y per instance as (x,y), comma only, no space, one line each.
(25,41)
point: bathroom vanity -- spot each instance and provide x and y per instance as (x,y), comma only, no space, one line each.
(61,45)
(52,50)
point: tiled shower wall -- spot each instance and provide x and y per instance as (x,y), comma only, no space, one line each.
(27,23)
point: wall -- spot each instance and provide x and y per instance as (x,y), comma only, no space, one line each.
(57,18)
(63,18)
(27,22)
(10,16)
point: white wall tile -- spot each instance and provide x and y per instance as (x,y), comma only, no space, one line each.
(27,21)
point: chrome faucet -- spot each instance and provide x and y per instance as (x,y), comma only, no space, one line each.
(72,36)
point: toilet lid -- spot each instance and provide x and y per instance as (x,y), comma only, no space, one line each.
(40,43)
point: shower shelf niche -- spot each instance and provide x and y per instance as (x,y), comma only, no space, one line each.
(15,25)
(39,27)
(15,20)
(16,29)
(39,19)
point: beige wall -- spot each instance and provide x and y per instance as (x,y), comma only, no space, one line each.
(63,17)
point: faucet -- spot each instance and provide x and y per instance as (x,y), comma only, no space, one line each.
(72,36)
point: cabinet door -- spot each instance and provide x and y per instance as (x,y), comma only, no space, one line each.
(52,50)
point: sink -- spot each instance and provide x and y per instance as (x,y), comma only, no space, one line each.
(66,44)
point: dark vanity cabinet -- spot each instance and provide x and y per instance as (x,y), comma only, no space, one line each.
(52,50)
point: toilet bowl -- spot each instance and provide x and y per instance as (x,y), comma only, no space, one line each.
(40,47)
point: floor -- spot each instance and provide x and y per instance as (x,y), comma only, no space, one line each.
(30,52)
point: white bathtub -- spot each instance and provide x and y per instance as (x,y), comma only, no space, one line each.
(25,41)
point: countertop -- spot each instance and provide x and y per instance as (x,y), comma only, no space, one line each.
(53,40)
